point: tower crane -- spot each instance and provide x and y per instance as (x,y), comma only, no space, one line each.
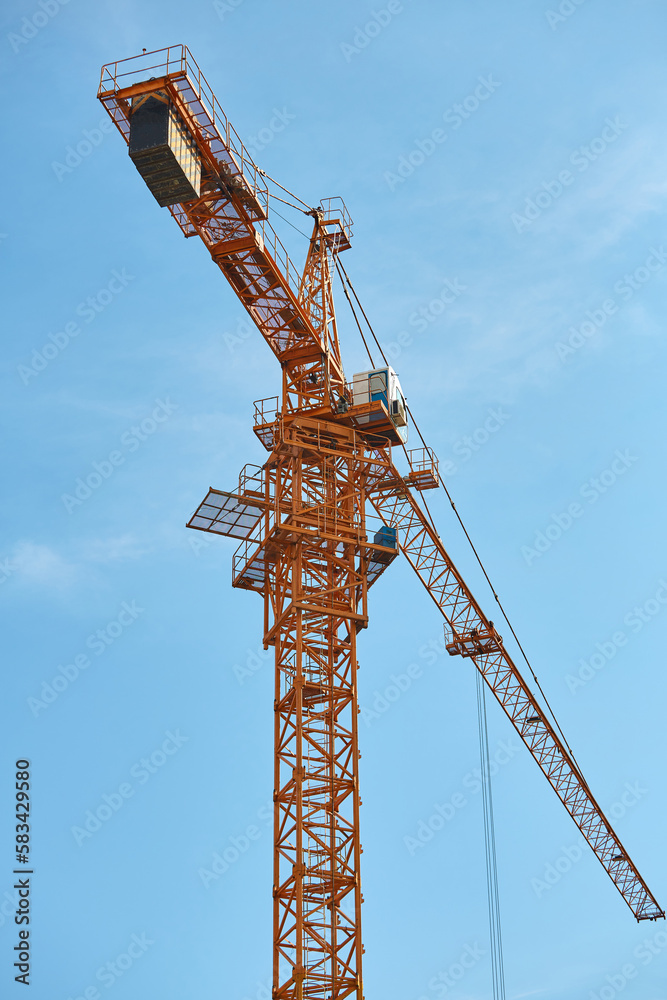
(305,521)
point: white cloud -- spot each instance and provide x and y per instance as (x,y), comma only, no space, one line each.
(44,566)
(107,550)
(41,565)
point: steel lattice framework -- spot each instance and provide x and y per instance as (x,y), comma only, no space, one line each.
(312,590)
(303,522)
(470,633)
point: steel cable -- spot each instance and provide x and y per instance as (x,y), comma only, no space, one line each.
(465,531)
(492,891)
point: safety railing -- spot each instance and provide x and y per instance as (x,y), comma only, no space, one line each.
(423,473)
(177,63)
(251,481)
(249,552)
(266,410)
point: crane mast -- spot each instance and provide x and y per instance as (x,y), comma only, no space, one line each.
(312,615)
(304,523)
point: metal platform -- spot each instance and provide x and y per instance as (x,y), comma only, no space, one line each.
(174,71)
(423,473)
(377,563)
(474,643)
(226,514)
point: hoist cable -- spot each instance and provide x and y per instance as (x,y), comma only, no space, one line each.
(291,224)
(287,191)
(493,894)
(467,535)
(275,197)
(492,891)
(361,332)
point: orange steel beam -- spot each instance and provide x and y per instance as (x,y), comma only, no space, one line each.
(312,613)
(230,217)
(470,633)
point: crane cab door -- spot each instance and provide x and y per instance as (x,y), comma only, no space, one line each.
(378,387)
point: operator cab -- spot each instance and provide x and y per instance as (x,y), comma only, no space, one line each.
(380,386)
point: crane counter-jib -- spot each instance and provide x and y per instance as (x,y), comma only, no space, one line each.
(193,162)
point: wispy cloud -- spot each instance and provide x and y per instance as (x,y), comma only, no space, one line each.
(42,565)
(117,549)
(48,567)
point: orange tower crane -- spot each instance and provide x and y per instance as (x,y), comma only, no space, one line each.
(304,520)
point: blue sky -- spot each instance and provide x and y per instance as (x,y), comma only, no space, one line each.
(505,168)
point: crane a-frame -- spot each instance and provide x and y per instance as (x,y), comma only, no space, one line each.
(304,521)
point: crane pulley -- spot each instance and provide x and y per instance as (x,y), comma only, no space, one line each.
(305,520)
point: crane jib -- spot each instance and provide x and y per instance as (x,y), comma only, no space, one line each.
(185,148)
(473,635)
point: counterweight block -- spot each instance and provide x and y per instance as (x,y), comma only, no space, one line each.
(163,151)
